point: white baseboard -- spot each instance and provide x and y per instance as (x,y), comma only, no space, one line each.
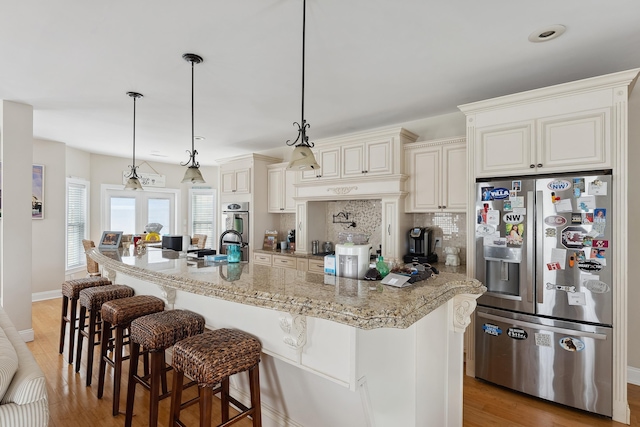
(41,296)
(633,375)
(27,335)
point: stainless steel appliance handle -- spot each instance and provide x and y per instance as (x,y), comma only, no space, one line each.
(531,240)
(539,247)
(524,324)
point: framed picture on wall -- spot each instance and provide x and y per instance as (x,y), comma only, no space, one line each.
(37,192)
(110,240)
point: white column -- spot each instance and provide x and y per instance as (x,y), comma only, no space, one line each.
(16,153)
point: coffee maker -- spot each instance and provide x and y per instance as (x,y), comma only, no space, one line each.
(420,246)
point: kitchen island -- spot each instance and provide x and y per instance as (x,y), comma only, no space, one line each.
(337,352)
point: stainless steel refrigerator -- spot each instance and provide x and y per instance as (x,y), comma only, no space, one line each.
(543,250)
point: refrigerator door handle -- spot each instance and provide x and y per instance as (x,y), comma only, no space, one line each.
(524,324)
(539,247)
(530,246)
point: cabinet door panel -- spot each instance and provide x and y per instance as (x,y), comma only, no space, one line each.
(275,185)
(301,226)
(330,166)
(575,142)
(243,177)
(454,187)
(289,190)
(228,181)
(504,150)
(425,180)
(378,157)
(353,160)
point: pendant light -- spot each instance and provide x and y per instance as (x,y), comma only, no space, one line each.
(192,174)
(133,183)
(302,157)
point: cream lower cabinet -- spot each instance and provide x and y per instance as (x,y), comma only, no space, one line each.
(437,176)
(567,142)
(281,188)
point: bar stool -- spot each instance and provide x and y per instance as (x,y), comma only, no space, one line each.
(118,314)
(155,333)
(70,294)
(91,299)
(210,359)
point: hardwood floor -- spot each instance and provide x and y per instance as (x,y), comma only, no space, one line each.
(72,404)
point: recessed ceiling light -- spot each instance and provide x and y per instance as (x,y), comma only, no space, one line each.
(199,138)
(548,33)
(158,154)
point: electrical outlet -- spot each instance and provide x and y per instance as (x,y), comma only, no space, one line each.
(438,243)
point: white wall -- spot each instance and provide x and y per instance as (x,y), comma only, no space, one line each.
(48,253)
(16,152)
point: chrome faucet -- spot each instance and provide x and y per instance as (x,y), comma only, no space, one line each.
(242,244)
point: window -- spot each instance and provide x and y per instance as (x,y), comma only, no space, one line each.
(130,211)
(202,213)
(77,222)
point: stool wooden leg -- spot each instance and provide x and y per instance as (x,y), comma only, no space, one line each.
(131,387)
(83,314)
(117,364)
(72,328)
(206,403)
(63,322)
(254,386)
(176,398)
(154,384)
(224,400)
(91,342)
(104,349)
(164,374)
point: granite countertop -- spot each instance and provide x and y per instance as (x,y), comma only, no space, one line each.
(359,303)
(288,253)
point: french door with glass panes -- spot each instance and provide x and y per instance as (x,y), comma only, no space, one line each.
(131,211)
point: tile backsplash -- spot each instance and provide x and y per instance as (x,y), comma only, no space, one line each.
(367,214)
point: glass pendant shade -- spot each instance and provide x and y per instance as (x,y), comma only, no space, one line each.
(133,183)
(193,176)
(302,158)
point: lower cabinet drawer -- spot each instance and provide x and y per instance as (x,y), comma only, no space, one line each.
(263,259)
(284,261)
(316,266)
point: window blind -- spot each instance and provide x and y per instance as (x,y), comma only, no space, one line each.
(77,222)
(203,213)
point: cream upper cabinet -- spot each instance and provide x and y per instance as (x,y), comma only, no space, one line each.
(366,158)
(329,161)
(437,176)
(236,181)
(576,141)
(281,188)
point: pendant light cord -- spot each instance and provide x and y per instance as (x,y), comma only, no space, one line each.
(133,169)
(304,21)
(302,126)
(193,135)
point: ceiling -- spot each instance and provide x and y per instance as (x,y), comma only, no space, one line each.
(369,63)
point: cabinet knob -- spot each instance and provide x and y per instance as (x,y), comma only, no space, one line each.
(281,209)
(444,207)
(532,166)
(539,165)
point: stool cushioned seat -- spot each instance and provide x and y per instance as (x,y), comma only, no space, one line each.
(72,288)
(159,331)
(93,298)
(214,355)
(124,310)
